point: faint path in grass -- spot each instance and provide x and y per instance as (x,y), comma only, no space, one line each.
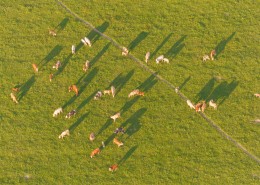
(221,47)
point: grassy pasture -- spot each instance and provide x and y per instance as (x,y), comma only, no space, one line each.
(166,142)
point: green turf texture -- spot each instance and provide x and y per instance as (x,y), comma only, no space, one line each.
(166,142)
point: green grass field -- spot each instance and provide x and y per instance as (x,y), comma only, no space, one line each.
(166,142)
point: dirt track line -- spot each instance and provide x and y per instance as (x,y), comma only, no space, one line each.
(214,125)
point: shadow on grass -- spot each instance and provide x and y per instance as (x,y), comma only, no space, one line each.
(26,87)
(85,82)
(134,121)
(54,52)
(84,102)
(120,81)
(137,40)
(161,45)
(221,46)
(63,65)
(127,155)
(62,25)
(105,126)
(176,48)
(184,83)
(98,56)
(223,91)
(94,36)
(206,90)
(145,86)
(79,121)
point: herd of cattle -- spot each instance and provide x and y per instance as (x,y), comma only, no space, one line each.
(200,106)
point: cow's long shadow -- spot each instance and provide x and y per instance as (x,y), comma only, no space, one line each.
(85,82)
(94,36)
(221,46)
(79,121)
(105,126)
(176,48)
(62,25)
(160,46)
(145,86)
(98,56)
(137,40)
(184,83)
(54,52)
(206,90)
(26,87)
(84,102)
(127,155)
(223,91)
(134,121)
(120,81)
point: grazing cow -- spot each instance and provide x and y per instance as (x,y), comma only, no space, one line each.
(103,144)
(125,51)
(107,92)
(135,92)
(198,107)
(113,168)
(74,89)
(35,68)
(57,65)
(212,104)
(95,152)
(73,49)
(116,116)
(159,59)
(257,95)
(86,41)
(92,137)
(51,77)
(147,56)
(205,58)
(64,133)
(15,89)
(13,98)
(190,104)
(98,95)
(204,106)
(71,113)
(166,60)
(256,121)
(212,54)
(57,112)
(52,32)
(86,66)
(117,142)
(113,91)
(118,130)
(177,89)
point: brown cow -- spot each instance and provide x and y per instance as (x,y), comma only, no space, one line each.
(113,168)
(212,54)
(117,142)
(74,88)
(95,152)
(35,68)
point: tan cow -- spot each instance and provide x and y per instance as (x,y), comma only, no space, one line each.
(117,142)
(74,89)
(95,152)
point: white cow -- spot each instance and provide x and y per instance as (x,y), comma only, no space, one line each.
(57,112)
